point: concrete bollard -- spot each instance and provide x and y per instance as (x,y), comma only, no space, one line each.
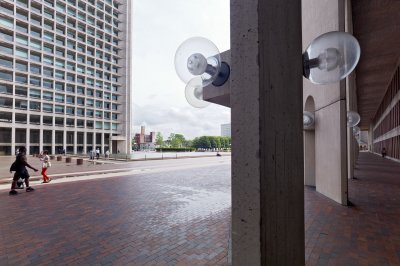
(59,158)
(79,161)
(68,159)
(52,157)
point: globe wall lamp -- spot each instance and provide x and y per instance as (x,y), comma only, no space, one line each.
(329,58)
(308,120)
(353,119)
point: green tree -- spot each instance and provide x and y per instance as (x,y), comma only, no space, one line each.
(177,140)
(159,139)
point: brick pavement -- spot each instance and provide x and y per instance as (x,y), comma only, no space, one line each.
(182,217)
(367,233)
(174,218)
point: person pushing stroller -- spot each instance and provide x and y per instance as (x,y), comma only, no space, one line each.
(19,166)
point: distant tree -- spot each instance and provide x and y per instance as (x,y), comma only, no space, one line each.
(159,139)
(177,140)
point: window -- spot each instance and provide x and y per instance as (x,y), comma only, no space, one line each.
(35,69)
(6,62)
(48,60)
(71,88)
(21,104)
(48,108)
(59,86)
(35,106)
(70,110)
(48,72)
(48,84)
(21,66)
(47,96)
(21,78)
(70,99)
(35,81)
(7,36)
(59,109)
(6,22)
(48,36)
(36,44)
(21,40)
(80,101)
(89,113)
(36,57)
(80,112)
(21,91)
(99,125)
(6,89)
(60,75)
(21,53)
(34,93)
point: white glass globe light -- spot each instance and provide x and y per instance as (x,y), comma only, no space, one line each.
(198,56)
(308,120)
(331,57)
(194,93)
(353,119)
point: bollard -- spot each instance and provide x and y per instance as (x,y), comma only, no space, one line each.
(79,161)
(59,158)
(68,159)
(52,157)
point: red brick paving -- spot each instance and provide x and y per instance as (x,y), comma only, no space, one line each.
(152,219)
(367,233)
(173,218)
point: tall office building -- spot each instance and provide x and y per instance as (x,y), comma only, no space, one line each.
(65,75)
(226,130)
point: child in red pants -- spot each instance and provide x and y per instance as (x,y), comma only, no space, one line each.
(45,165)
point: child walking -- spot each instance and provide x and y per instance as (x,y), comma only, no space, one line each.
(45,164)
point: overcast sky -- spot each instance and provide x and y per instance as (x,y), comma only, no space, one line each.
(160,26)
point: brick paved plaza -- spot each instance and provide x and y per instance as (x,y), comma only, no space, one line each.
(181,216)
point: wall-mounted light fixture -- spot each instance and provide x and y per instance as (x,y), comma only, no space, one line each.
(356,131)
(330,57)
(308,120)
(198,63)
(353,119)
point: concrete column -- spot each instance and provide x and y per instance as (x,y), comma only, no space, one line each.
(75,142)
(53,142)
(65,140)
(28,140)
(267,133)
(102,143)
(40,140)
(13,147)
(85,142)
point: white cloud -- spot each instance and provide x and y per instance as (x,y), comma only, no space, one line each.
(159,28)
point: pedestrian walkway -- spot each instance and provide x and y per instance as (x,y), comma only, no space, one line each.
(367,233)
(181,216)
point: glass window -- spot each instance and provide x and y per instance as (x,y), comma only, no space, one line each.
(21,39)
(59,86)
(80,112)
(34,93)
(6,75)
(48,108)
(21,91)
(6,22)
(47,96)
(70,110)
(70,99)
(21,53)
(36,44)
(35,81)
(48,84)
(21,78)
(48,36)
(35,106)
(59,109)
(6,89)
(6,62)
(48,72)
(35,69)
(21,104)
(99,125)
(48,60)
(36,57)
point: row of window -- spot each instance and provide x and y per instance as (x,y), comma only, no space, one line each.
(60,74)
(48,95)
(50,84)
(100,7)
(48,36)
(59,109)
(56,121)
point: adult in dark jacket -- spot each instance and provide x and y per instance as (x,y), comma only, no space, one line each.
(19,166)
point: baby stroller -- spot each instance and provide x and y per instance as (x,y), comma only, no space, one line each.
(20,182)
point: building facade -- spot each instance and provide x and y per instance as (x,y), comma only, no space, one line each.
(65,76)
(143,141)
(226,130)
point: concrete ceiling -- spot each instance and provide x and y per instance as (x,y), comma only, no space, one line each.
(376,25)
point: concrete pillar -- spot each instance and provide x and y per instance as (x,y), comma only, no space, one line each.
(267,133)
(40,140)
(75,142)
(85,151)
(13,147)
(102,143)
(28,140)
(53,142)
(65,140)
